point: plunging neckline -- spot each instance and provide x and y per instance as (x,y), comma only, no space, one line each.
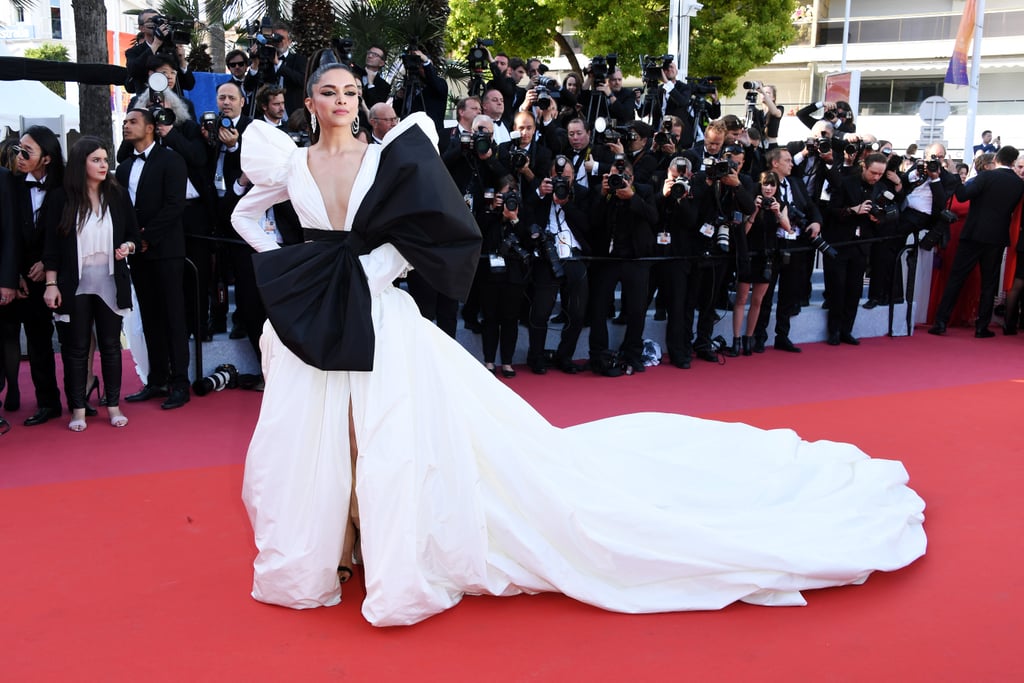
(354,199)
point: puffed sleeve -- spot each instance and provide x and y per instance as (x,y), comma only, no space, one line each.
(266,159)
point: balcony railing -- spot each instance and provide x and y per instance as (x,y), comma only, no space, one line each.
(1007,23)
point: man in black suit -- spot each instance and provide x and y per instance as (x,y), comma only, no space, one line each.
(225,166)
(152,40)
(424,90)
(562,219)
(289,69)
(237,62)
(375,88)
(528,160)
(986,233)
(156,179)
(789,272)
(38,203)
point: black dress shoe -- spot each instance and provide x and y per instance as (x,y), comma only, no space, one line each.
(705,353)
(147,392)
(5,426)
(508,374)
(783,344)
(833,339)
(13,402)
(983,333)
(937,328)
(684,364)
(619,320)
(568,367)
(848,338)
(43,415)
(757,344)
(870,303)
(177,399)
(1009,330)
(538,368)
(560,319)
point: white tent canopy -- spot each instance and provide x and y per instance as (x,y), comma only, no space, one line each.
(32,99)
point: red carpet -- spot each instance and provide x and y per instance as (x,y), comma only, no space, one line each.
(126,554)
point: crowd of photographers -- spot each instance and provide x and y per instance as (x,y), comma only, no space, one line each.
(581,188)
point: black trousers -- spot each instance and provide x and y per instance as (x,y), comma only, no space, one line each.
(844,278)
(37,319)
(885,287)
(433,305)
(575,292)
(199,251)
(87,310)
(679,328)
(789,278)
(634,277)
(248,303)
(969,254)
(500,303)
(702,287)
(162,307)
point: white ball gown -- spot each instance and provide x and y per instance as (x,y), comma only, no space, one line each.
(463,488)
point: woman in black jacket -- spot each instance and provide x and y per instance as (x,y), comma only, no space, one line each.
(87,279)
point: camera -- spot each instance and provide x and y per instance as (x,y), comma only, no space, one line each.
(854,148)
(157,85)
(600,67)
(933,165)
(716,169)
(884,208)
(547,81)
(518,156)
(549,251)
(752,85)
(664,134)
(823,247)
(560,187)
(263,42)
(477,58)
(703,85)
(510,200)
(938,236)
(343,48)
(224,376)
(480,141)
(722,237)
(767,203)
(653,66)
(209,121)
(680,188)
(510,248)
(173,31)
(543,96)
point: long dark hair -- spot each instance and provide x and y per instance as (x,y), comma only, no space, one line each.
(321,62)
(78,204)
(49,145)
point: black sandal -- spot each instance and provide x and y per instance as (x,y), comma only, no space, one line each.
(344,574)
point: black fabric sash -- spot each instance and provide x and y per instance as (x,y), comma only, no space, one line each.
(318,300)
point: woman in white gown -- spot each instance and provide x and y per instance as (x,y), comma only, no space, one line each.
(461,486)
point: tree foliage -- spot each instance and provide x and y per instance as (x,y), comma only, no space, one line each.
(727,37)
(54,52)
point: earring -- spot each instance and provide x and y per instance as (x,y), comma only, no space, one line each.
(312,123)
(355,126)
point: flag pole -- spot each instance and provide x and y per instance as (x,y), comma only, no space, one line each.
(972,95)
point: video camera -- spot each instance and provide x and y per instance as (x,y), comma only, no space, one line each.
(173,32)
(701,86)
(262,37)
(600,67)
(653,66)
(477,59)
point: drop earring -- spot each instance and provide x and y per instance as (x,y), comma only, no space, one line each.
(355,126)
(312,123)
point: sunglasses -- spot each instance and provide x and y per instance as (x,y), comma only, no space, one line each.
(232,65)
(25,154)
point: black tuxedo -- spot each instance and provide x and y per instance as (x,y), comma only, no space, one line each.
(291,75)
(510,92)
(540,163)
(572,285)
(8,253)
(986,233)
(380,91)
(136,60)
(32,312)
(158,266)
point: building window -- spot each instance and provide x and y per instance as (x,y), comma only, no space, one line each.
(897,95)
(21,15)
(55,31)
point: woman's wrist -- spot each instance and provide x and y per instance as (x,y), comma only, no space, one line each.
(51,283)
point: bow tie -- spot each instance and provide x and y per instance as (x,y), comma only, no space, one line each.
(141,156)
(34,183)
(499,122)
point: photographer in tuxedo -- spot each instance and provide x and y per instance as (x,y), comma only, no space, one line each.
(156,178)
(622,220)
(528,160)
(675,238)
(289,68)
(561,213)
(153,41)
(790,271)
(229,184)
